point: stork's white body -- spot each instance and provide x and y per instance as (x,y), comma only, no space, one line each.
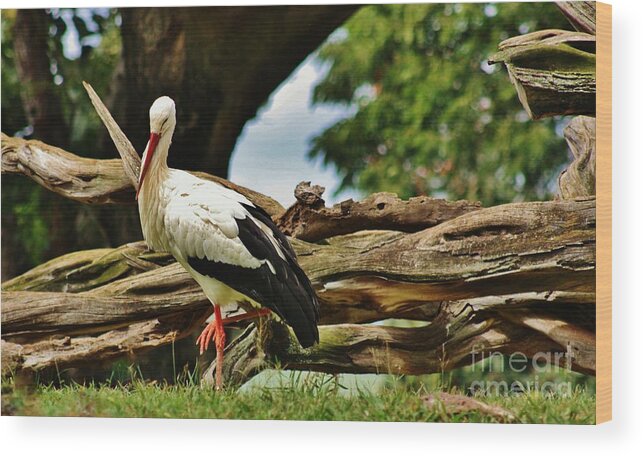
(229,246)
(192,217)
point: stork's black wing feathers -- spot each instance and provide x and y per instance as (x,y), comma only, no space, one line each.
(261,215)
(286,291)
(260,246)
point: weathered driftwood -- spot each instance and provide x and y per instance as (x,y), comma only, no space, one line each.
(69,351)
(458,336)
(81,179)
(578,341)
(508,249)
(94,181)
(90,181)
(310,220)
(579,179)
(516,256)
(130,160)
(553,71)
(582,15)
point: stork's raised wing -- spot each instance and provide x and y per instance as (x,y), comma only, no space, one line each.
(223,236)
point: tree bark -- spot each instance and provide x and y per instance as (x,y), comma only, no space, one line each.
(310,220)
(553,71)
(579,179)
(582,15)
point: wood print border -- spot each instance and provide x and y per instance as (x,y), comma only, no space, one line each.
(604,213)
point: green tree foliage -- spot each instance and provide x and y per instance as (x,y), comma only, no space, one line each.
(97,54)
(83,44)
(432,117)
(13,116)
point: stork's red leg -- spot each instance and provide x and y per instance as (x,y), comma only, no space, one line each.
(214,331)
(219,343)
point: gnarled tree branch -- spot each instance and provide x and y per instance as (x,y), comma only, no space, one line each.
(553,71)
(579,179)
(582,15)
(90,181)
(310,220)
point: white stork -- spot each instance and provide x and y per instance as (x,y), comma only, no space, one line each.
(229,246)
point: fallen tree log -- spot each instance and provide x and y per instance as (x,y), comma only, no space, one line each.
(516,256)
(310,220)
(509,249)
(63,352)
(461,332)
(460,335)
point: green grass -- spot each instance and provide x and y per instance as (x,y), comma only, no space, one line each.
(315,398)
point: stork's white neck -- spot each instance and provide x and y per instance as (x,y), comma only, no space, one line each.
(158,165)
(150,201)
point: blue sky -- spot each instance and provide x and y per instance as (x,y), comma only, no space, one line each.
(270,155)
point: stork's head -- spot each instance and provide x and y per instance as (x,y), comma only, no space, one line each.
(162,116)
(162,123)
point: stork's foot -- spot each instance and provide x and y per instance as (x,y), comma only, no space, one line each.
(208,334)
(214,331)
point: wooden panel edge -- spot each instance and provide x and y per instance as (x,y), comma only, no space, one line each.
(603,212)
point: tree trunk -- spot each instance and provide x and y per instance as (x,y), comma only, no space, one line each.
(41,102)
(44,112)
(219,64)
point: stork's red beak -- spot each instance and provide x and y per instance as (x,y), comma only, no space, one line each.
(154,140)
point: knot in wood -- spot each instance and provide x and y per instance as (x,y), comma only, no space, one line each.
(310,195)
